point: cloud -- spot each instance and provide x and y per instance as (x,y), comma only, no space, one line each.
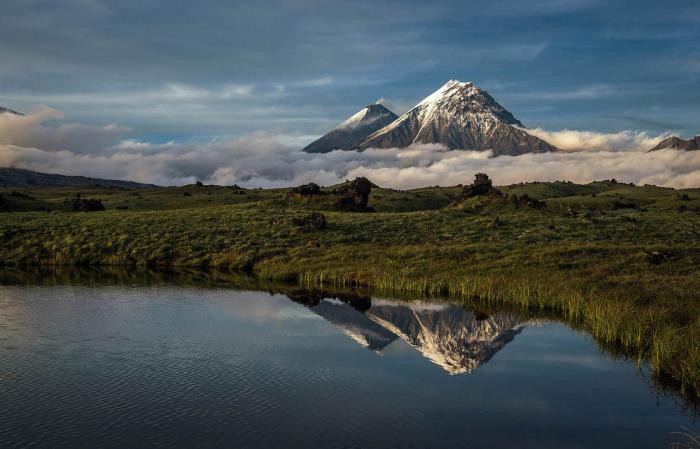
(42,141)
(572,140)
(31,131)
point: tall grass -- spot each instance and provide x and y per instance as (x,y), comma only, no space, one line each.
(649,335)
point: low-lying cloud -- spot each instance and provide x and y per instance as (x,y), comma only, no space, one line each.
(42,141)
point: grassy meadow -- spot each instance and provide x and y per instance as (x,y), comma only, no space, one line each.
(621,261)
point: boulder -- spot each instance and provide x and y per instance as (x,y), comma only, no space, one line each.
(481,186)
(314,220)
(619,205)
(86,204)
(355,195)
(309,189)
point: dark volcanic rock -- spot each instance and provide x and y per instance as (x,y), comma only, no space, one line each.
(309,189)
(481,186)
(656,257)
(87,205)
(679,144)
(354,195)
(353,131)
(619,205)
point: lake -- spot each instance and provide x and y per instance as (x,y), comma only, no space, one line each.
(183,366)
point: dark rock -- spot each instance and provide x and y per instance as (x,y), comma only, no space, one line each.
(570,212)
(354,196)
(315,220)
(656,257)
(617,205)
(682,208)
(309,189)
(87,205)
(685,197)
(481,186)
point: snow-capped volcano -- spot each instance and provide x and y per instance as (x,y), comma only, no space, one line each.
(353,131)
(459,115)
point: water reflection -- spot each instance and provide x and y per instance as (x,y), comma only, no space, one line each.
(178,366)
(457,340)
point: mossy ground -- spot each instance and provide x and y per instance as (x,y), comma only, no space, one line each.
(595,268)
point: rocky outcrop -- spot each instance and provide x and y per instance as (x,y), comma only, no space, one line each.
(481,186)
(305,190)
(353,196)
(86,204)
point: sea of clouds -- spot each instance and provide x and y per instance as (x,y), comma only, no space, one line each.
(44,141)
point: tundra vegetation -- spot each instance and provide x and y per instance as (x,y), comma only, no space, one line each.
(618,260)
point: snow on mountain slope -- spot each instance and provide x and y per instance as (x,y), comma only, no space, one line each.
(677,143)
(459,115)
(350,133)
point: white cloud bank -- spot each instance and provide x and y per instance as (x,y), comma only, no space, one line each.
(42,141)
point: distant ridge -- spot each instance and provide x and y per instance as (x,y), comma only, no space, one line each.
(9,111)
(17,177)
(353,131)
(678,144)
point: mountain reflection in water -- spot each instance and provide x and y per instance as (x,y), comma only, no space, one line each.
(457,340)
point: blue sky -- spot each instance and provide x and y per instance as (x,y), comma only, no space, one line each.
(196,71)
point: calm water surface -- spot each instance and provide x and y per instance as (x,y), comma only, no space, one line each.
(185,367)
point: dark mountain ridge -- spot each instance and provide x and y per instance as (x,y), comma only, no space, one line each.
(18,177)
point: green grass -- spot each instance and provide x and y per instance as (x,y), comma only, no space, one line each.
(594,270)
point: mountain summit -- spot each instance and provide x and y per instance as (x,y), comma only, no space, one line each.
(678,144)
(353,131)
(459,115)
